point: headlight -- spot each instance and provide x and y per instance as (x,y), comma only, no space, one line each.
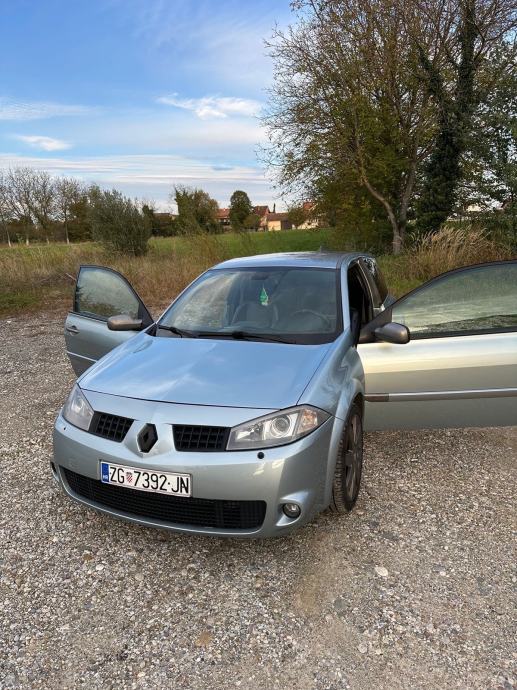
(276,429)
(77,409)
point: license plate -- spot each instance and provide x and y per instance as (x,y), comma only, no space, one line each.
(146,480)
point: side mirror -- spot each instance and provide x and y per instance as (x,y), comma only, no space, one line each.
(394,333)
(123,322)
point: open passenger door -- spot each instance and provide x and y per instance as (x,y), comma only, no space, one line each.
(100,293)
(459,368)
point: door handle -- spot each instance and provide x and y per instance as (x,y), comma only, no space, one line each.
(72,329)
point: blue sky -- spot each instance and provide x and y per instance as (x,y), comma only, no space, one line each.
(138,94)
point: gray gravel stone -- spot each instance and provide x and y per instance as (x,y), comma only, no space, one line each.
(90,602)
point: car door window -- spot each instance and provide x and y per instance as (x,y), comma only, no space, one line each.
(359,301)
(101,293)
(371,266)
(479,299)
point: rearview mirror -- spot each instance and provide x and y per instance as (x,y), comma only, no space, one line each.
(394,333)
(123,322)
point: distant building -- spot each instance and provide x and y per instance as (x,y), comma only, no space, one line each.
(271,221)
(223,216)
(165,217)
(281,221)
(312,219)
(278,221)
(262,212)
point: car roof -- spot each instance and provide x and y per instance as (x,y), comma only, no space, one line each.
(323,259)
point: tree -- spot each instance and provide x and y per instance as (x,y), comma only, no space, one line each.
(118,223)
(43,201)
(252,222)
(359,221)
(17,191)
(4,210)
(467,32)
(29,199)
(68,194)
(347,95)
(150,213)
(490,166)
(79,224)
(240,209)
(364,86)
(197,211)
(297,215)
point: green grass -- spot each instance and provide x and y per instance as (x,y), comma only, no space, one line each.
(233,244)
(41,277)
(38,277)
(397,274)
(16,302)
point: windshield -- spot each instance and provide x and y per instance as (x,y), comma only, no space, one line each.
(299,305)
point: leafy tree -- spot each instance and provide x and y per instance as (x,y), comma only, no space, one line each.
(297,215)
(358,88)
(161,223)
(5,215)
(359,222)
(240,209)
(79,225)
(347,96)
(150,213)
(252,222)
(469,31)
(197,212)
(43,200)
(118,223)
(491,163)
(29,198)
(68,194)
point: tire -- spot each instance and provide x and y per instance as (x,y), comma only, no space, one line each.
(349,464)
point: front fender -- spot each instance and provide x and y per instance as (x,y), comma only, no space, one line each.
(338,381)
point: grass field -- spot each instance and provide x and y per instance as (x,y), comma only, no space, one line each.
(42,277)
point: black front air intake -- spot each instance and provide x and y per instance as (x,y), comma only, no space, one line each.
(200,438)
(197,512)
(110,426)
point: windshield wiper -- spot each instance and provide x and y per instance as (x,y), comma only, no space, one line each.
(178,331)
(244,335)
(235,335)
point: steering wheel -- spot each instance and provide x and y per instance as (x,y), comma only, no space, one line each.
(241,311)
(326,321)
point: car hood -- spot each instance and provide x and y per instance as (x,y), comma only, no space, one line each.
(228,373)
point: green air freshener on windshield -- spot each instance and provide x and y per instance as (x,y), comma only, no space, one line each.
(264,299)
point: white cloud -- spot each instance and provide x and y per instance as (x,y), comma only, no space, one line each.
(11,109)
(153,176)
(214,106)
(43,143)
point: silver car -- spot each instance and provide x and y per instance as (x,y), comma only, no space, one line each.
(240,411)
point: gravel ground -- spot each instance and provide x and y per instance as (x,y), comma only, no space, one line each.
(414,589)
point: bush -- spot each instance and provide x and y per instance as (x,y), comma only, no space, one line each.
(452,247)
(118,224)
(197,212)
(252,222)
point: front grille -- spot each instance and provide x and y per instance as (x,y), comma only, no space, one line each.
(110,426)
(201,438)
(197,512)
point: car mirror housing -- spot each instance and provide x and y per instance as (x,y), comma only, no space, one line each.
(123,322)
(394,333)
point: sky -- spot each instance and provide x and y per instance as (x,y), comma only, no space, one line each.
(140,95)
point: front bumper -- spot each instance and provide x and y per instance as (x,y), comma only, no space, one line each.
(295,473)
